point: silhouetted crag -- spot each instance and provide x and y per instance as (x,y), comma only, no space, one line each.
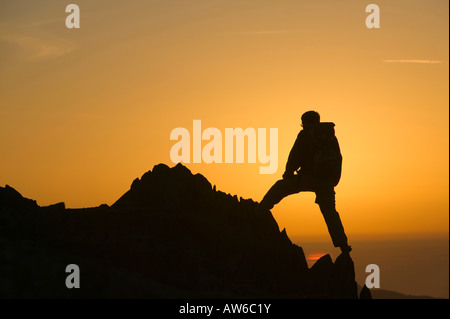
(172,235)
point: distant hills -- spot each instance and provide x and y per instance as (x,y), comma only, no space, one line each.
(389,294)
(172,235)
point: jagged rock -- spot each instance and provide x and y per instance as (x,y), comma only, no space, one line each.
(323,267)
(320,276)
(171,235)
(343,278)
(365,293)
(333,280)
(55,207)
(12,199)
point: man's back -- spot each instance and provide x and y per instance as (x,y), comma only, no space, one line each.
(316,151)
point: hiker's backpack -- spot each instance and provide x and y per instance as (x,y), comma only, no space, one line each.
(327,158)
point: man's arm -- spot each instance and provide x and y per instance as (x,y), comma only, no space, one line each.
(293,162)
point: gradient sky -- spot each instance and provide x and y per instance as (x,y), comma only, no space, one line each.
(83,112)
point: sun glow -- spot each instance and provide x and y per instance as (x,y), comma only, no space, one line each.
(86,111)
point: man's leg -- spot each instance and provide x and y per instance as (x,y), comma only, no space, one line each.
(281,189)
(325,197)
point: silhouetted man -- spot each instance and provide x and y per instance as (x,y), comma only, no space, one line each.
(314,165)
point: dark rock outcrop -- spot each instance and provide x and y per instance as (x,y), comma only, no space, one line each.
(365,293)
(12,200)
(172,235)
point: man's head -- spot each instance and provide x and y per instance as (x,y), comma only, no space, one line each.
(310,118)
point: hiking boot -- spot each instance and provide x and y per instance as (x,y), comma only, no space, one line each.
(346,249)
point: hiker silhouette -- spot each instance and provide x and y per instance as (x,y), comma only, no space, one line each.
(314,165)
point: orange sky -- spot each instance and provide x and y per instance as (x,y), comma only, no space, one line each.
(84,112)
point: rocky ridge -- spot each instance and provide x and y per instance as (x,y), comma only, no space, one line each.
(172,235)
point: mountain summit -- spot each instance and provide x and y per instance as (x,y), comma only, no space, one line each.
(172,235)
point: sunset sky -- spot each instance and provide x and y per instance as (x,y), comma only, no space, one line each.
(83,112)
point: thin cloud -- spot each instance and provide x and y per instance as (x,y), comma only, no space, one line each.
(42,23)
(37,48)
(414,61)
(35,43)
